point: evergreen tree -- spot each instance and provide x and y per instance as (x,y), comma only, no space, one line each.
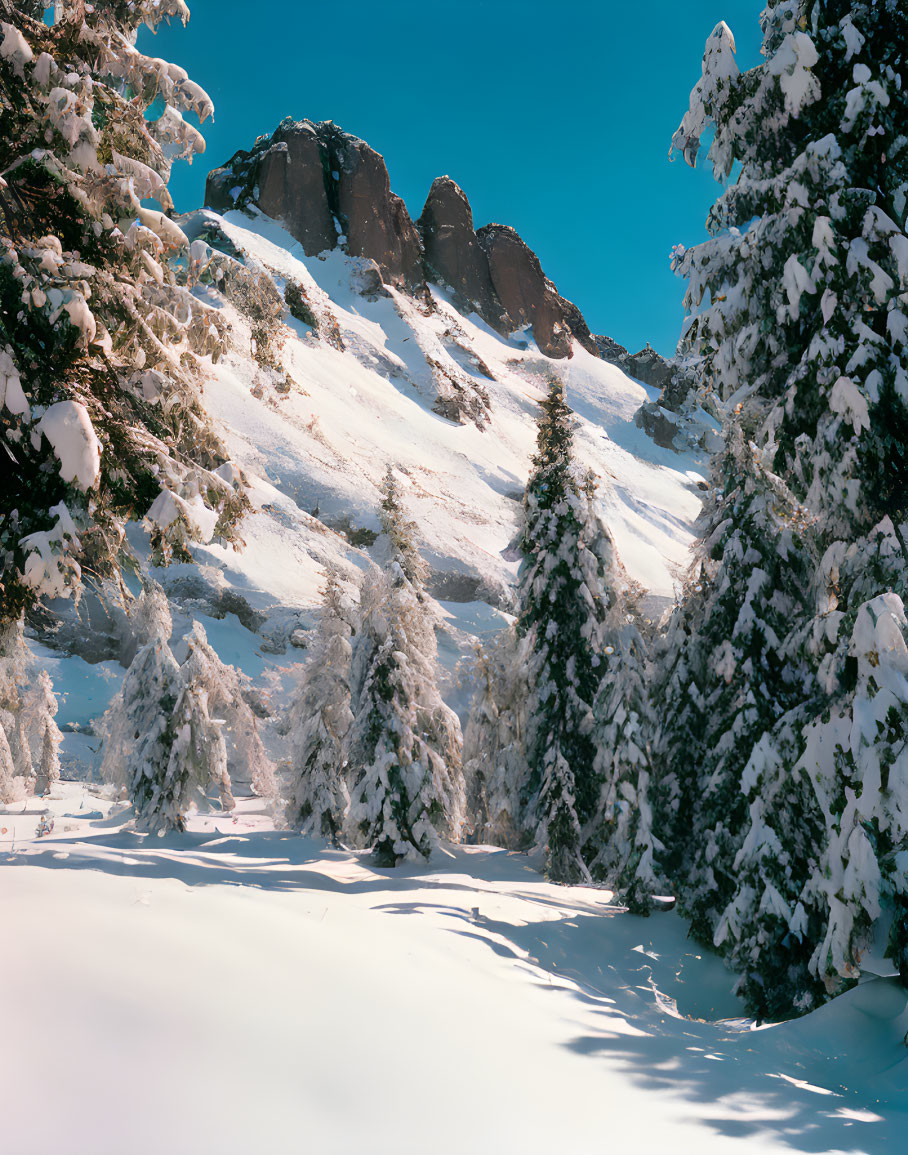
(629,851)
(39,710)
(161,741)
(495,765)
(754,573)
(223,688)
(27,710)
(562,605)
(406,780)
(101,341)
(318,791)
(803,341)
(21,750)
(138,732)
(11,785)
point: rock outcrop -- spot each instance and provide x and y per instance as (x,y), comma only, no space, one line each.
(327,188)
(647,366)
(496,272)
(453,254)
(528,296)
(375,221)
(292,187)
(331,189)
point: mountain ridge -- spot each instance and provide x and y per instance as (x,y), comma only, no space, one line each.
(331,189)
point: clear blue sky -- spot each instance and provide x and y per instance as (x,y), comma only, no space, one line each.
(553,118)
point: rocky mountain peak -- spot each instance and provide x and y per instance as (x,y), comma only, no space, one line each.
(453,254)
(330,190)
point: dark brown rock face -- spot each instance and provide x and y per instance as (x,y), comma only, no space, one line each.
(528,296)
(329,188)
(292,187)
(307,175)
(376,222)
(647,366)
(453,254)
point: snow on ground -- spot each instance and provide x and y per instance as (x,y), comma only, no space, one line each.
(324,445)
(241,989)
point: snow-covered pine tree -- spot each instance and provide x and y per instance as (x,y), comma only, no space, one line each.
(753,581)
(495,765)
(405,774)
(197,765)
(160,740)
(15,674)
(138,732)
(11,784)
(318,789)
(628,850)
(149,618)
(562,603)
(804,334)
(21,751)
(101,347)
(222,687)
(39,710)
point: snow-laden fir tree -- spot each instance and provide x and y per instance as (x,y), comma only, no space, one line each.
(223,687)
(27,711)
(322,718)
(801,331)
(39,709)
(752,583)
(562,603)
(11,784)
(627,848)
(405,746)
(101,345)
(494,750)
(138,733)
(161,741)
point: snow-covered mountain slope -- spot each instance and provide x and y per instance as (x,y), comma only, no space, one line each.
(321,447)
(282,997)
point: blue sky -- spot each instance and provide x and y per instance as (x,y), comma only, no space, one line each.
(553,118)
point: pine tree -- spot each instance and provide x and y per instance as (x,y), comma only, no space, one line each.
(101,341)
(27,708)
(39,709)
(197,764)
(318,792)
(406,780)
(223,688)
(629,854)
(21,751)
(754,573)
(160,739)
(138,732)
(149,619)
(803,342)
(562,604)
(495,765)
(11,785)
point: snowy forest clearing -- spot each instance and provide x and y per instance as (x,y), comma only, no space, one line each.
(282,996)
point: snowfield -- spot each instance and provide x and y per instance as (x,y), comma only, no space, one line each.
(239,989)
(324,445)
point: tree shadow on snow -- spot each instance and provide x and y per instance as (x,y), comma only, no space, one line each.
(835,1080)
(652,1002)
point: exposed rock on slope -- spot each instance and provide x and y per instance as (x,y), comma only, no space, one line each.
(330,190)
(647,366)
(529,296)
(453,254)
